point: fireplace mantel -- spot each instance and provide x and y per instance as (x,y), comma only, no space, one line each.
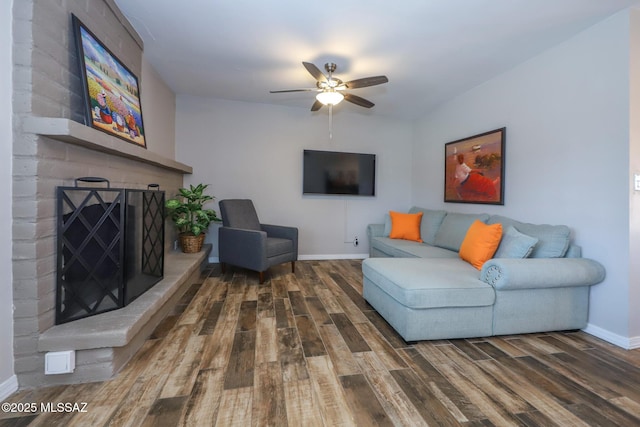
(71,132)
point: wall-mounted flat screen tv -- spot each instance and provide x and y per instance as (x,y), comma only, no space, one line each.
(332,172)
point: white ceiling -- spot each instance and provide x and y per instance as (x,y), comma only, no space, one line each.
(431,50)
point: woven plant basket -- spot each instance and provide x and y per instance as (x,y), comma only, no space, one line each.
(191,244)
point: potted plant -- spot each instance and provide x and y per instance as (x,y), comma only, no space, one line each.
(191,219)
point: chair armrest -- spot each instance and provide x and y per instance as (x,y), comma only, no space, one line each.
(375,230)
(533,273)
(242,247)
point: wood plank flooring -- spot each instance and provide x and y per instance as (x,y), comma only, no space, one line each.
(305,349)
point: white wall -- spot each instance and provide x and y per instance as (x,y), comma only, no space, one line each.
(254,151)
(634,168)
(158,112)
(8,382)
(567,154)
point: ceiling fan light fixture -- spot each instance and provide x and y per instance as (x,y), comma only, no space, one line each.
(330,89)
(330,97)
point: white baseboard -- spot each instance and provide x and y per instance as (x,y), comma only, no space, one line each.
(634,343)
(321,257)
(8,387)
(615,339)
(215,259)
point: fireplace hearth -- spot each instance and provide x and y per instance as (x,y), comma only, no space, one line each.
(110,247)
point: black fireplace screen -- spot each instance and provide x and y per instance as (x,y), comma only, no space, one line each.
(110,247)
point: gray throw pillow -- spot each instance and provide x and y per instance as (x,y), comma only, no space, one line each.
(515,244)
(553,240)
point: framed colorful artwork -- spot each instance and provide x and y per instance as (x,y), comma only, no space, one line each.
(111,90)
(474,169)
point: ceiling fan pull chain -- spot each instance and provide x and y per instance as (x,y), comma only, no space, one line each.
(330,121)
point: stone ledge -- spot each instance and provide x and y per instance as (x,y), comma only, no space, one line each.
(119,327)
(71,132)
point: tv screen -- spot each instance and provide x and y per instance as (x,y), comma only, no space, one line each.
(331,172)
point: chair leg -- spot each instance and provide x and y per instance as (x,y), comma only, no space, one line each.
(261,277)
(293,266)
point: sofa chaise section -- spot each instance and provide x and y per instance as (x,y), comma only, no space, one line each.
(429,299)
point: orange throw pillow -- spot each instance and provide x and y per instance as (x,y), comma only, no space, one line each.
(405,226)
(480,243)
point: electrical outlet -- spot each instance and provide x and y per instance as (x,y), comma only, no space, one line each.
(355,241)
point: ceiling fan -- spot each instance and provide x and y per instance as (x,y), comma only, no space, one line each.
(331,90)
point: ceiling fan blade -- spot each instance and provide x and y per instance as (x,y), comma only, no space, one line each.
(316,105)
(293,90)
(367,81)
(315,72)
(358,100)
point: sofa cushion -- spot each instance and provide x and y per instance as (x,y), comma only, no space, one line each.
(409,249)
(454,228)
(405,226)
(515,244)
(480,243)
(431,221)
(393,247)
(553,240)
(429,283)
(428,251)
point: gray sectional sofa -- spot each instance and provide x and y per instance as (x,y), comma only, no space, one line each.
(536,282)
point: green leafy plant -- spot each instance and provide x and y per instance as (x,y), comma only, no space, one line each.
(187,211)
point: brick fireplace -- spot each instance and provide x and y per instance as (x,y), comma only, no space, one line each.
(51,148)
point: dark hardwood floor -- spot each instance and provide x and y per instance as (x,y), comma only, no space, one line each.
(305,349)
